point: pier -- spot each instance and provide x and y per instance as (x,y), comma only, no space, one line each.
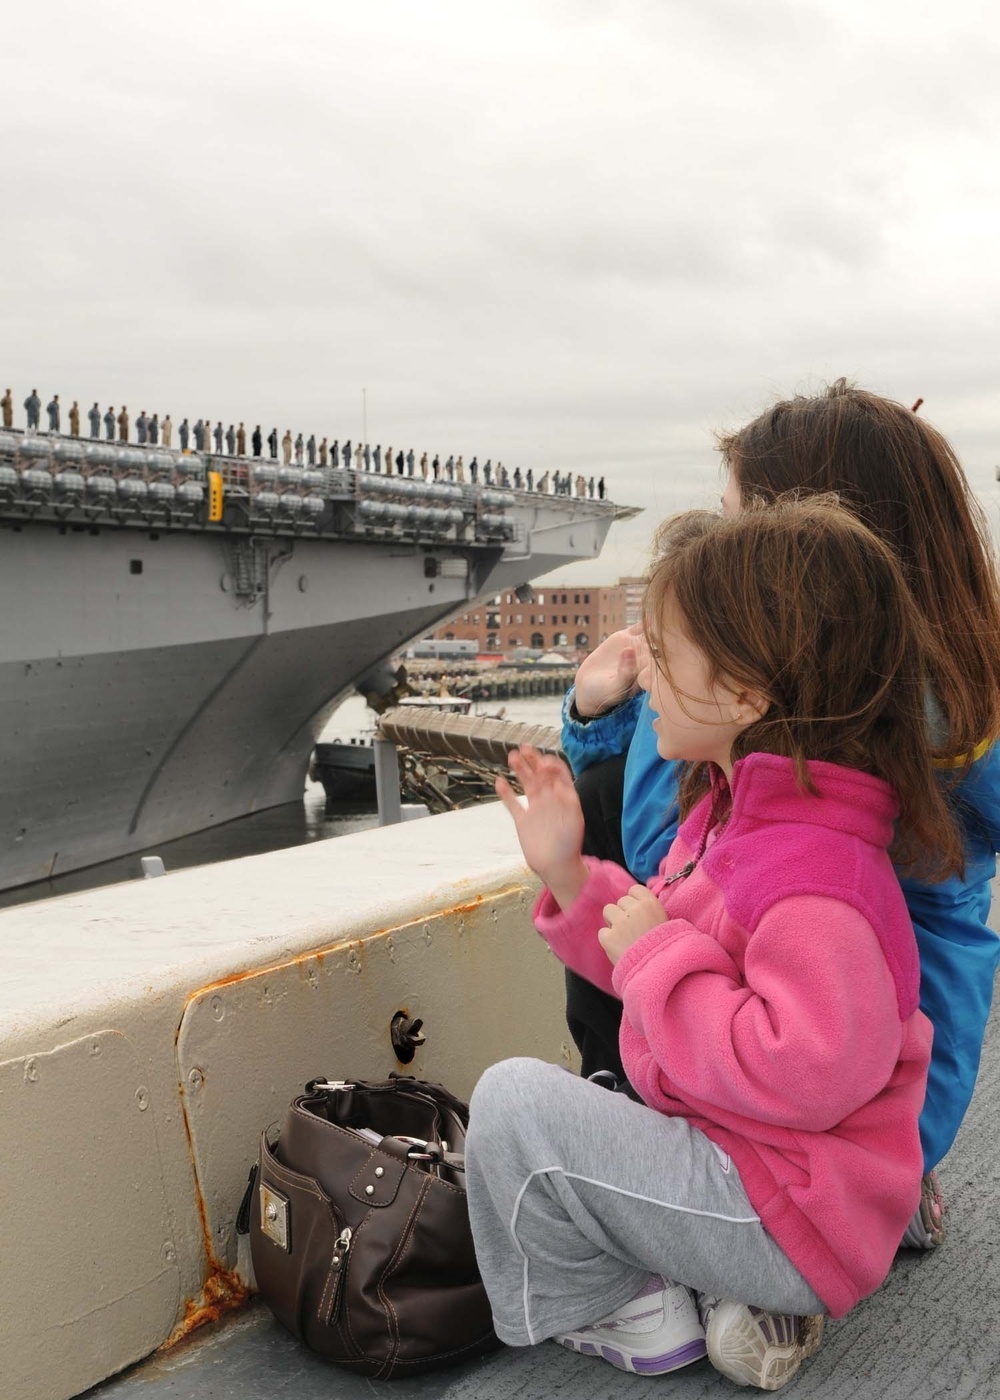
(485,680)
(149,1031)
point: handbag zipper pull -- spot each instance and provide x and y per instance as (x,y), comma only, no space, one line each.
(338,1268)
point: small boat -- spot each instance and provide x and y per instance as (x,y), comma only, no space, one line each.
(347,771)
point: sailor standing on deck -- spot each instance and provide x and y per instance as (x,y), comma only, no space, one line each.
(95,421)
(460,469)
(154,429)
(359,453)
(346,452)
(311,449)
(168,430)
(7,404)
(218,438)
(298,448)
(423,465)
(257,441)
(286,447)
(199,434)
(184,434)
(368,458)
(377,456)
(74,419)
(241,441)
(272,444)
(409,462)
(123,424)
(109,424)
(141,425)
(33,408)
(230,440)
(323,453)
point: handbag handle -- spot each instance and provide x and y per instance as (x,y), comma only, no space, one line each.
(436,1094)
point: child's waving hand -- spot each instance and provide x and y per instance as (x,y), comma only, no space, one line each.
(635,914)
(550,827)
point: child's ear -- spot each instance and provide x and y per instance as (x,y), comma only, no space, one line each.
(750,706)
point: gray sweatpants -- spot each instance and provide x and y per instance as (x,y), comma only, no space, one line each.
(577,1195)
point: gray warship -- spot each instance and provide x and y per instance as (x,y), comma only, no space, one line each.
(177,627)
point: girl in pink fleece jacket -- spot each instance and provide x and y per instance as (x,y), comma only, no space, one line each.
(768,975)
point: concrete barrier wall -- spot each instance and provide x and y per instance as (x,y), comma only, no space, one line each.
(149,1031)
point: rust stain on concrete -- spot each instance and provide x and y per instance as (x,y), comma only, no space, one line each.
(221,1292)
(475,904)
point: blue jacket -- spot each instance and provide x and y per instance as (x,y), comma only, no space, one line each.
(959,952)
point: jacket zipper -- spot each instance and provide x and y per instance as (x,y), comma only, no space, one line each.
(710,825)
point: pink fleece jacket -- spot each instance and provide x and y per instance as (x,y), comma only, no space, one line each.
(775,1008)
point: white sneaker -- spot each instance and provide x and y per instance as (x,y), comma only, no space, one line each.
(656,1331)
(926,1229)
(757,1348)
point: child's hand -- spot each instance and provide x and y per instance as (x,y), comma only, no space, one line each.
(550,828)
(610,673)
(635,914)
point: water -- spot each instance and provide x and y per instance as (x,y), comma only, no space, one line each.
(296,824)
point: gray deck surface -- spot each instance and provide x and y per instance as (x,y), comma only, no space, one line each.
(932,1330)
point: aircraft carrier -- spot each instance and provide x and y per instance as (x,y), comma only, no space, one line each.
(177,627)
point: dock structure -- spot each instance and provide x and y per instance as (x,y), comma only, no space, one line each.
(149,1031)
(479,737)
(467,750)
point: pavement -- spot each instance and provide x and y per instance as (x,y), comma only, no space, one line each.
(931,1330)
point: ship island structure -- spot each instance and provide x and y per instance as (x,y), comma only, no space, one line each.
(177,627)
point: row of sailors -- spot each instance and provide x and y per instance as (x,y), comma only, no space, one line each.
(116,425)
(67,451)
(233,441)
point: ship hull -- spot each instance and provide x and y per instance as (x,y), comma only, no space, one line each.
(145,694)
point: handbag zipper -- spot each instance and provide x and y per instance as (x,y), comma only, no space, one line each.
(338,1267)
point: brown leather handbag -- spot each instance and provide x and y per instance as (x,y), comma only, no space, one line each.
(359,1227)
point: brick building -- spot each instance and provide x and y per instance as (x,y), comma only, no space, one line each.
(561,618)
(633,588)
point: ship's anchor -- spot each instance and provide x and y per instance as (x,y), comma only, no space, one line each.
(407,1036)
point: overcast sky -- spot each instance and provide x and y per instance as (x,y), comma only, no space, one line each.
(569,234)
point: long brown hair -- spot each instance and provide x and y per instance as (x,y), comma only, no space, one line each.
(901,477)
(799,602)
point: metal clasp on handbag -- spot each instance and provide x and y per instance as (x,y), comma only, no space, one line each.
(420,1149)
(315,1084)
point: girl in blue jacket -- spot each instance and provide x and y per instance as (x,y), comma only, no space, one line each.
(901,477)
